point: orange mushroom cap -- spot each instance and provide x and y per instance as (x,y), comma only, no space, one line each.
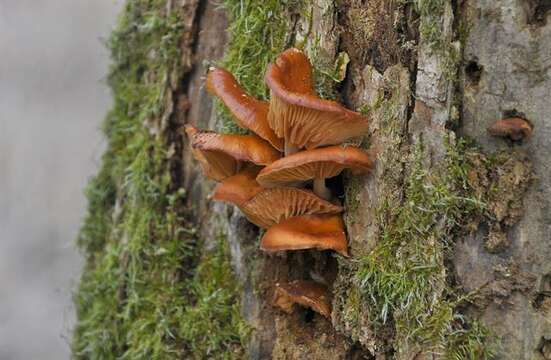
(249,148)
(297,114)
(249,112)
(216,165)
(514,128)
(305,293)
(315,164)
(239,188)
(271,206)
(323,232)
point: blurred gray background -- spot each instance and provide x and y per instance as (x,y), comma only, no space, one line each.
(53,98)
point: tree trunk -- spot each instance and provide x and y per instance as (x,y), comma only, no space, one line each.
(449,240)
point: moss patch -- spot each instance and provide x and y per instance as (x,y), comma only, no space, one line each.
(212,327)
(404,281)
(147,291)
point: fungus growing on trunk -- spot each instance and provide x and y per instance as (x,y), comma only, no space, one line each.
(305,293)
(239,188)
(248,112)
(514,128)
(271,206)
(248,148)
(317,165)
(295,119)
(215,164)
(298,115)
(267,207)
(322,232)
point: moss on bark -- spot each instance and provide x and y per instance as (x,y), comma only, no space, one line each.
(149,289)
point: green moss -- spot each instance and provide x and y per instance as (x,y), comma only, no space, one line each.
(101,194)
(404,279)
(212,326)
(431,13)
(144,282)
(406,300)
(352,200)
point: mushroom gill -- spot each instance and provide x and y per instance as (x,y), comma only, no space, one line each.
(248,112)
(298,115)
(316,164)
(271,206)
(305,293)
(267,207)
(514,128)
(321,232)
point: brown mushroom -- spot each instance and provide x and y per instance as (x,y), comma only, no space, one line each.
(249,148)
(514,128)
(216,165)
(322,232)
(249,112)
(239,188)
(305,293)
(316,164)
(271,206)
(267,207)
(298,115)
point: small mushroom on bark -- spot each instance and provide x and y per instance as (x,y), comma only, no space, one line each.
(305,293)
(317,165)
(249,148)
(514,128)
(249,112)
(322,232)
(298,115)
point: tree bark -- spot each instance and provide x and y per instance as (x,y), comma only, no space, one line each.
(506,72)
(491,59)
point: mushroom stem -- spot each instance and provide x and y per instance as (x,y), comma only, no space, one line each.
(321,190)
(290,149)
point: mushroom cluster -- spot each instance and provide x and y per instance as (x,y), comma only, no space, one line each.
(276,175)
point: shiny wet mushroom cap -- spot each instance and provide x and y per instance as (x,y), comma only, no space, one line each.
(216,165)
(248,112)
(298,115)
(305,293)
(316,164)
(514,128)
(249,148)
(239,188)
(321,232)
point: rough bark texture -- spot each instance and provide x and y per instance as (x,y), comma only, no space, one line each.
(503,49)
(506,71)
